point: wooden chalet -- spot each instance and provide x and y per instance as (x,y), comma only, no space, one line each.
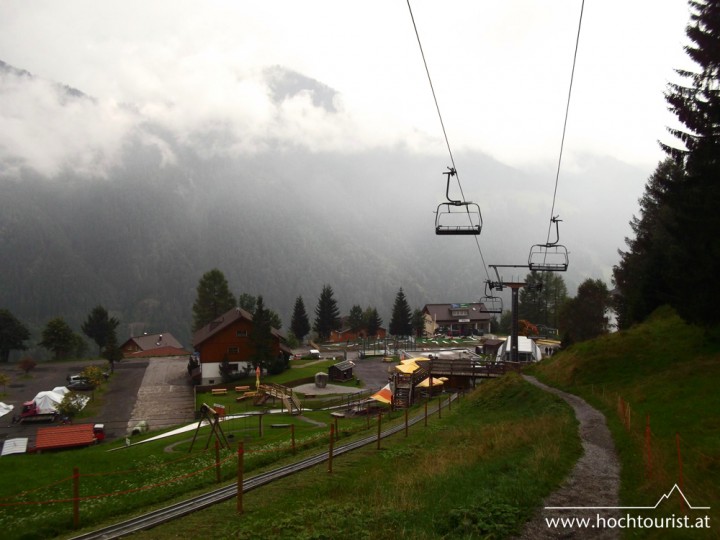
(148,345)
(229,337)
(457,319)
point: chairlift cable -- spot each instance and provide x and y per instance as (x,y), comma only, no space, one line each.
(442,125)
(567,110)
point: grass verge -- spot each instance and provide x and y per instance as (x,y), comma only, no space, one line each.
(657,386)
(479,471)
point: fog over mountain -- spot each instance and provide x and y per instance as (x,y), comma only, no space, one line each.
(133,213)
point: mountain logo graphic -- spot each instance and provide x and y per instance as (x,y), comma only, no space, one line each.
(664,497)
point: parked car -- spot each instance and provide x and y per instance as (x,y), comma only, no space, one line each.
(80,384)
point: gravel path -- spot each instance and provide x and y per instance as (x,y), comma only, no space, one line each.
(593,482)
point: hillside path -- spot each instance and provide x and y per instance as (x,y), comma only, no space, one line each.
(593,482)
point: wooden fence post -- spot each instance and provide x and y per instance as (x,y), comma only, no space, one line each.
(241,464)
(76,497)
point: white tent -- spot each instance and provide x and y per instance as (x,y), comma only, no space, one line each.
(47,401)
(4,408)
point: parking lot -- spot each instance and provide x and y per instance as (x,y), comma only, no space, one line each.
(119,397)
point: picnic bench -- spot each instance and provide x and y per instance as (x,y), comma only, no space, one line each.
(242,388)
(218,391)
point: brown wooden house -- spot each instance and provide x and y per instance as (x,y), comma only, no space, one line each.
(229,337)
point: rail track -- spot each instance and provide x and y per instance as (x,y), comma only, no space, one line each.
(177,510)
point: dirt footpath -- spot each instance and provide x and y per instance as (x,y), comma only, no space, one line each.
(593,482)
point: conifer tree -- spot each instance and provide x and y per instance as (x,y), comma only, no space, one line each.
(401,319)
(327,314)
(671,259)
(373,322)
(300,324)
(262,335)
(213,298)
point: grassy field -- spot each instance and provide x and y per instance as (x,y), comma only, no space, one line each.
(657,384)
(480,471)
(483,466)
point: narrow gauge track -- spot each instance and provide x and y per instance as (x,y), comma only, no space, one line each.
(177,510)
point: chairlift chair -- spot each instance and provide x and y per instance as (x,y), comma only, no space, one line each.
(551,256)
(456,217)
(493,304)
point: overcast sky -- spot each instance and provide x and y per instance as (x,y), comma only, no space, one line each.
(501,72)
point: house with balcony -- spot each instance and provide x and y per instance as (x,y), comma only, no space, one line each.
(457,319)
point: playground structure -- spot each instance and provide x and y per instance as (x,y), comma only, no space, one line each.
(287,397)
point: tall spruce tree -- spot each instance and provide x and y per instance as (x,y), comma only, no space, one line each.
(327,314)
(694,200)
(401,318)
(641,278)
(213,298)
(300,324)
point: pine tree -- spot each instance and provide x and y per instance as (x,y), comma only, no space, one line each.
(99,327)
(213,298)
(327,315)
(641,278)
(694,200)
(401,319)
(356,320)
(300,325)
(262,336)
(373,322)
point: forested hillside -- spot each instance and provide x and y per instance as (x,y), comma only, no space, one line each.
(136,232)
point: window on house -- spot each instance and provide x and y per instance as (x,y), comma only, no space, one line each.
(459,312)
(233,350)
(241,333)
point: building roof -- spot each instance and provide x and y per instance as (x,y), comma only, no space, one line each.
(225,320)
(148,342)
(476,312)
(160,351)
(344,366)
(219,324)
(64,436)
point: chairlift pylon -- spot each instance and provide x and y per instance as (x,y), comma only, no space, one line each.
(493,304)
(457,217)
(551,256)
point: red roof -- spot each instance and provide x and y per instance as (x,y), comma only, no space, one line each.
(64,436)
